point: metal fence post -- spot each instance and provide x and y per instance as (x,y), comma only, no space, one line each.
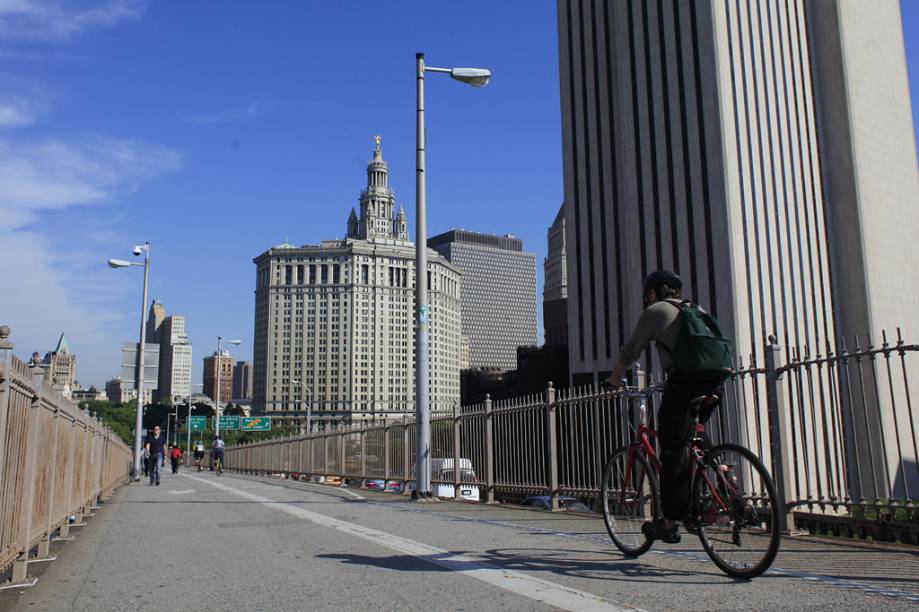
(406,457)
(342,441)
(456,453)
(489,451)
(782,460)
(6,374)
(551,448)
(363,441)
(387,468)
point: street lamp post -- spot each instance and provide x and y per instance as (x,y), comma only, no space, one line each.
(309,405)
(477,77)
(139,372)
(217,410)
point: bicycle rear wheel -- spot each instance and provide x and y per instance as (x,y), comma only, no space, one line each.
(630,497)
(736,509)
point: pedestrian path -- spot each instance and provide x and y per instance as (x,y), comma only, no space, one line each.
(244,543)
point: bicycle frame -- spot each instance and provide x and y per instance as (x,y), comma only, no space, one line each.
(642,443)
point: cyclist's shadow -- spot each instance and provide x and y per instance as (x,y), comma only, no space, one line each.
(564,563)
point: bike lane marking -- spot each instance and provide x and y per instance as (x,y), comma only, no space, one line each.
(845,583)
(533,588)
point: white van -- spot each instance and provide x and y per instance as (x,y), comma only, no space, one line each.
(442,470)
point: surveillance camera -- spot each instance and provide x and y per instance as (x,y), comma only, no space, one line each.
(137,250)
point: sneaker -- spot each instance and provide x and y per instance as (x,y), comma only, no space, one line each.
(157,483)
(657,531)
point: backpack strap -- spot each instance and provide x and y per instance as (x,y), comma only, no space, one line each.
(678,306)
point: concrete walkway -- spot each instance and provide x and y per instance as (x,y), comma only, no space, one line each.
(199,542)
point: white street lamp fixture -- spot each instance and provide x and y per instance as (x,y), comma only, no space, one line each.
(477,77)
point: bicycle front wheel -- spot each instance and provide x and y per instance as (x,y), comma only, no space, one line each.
(736,510)
(630,497)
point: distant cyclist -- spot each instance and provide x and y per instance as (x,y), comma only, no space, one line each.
(219,447)
(688,337)
(199,454)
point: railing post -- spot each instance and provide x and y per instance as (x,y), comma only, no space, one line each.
(341,452)
(387,468)
(21,565)
(406,457)
(6,374)
(363,452)
(44,547)
(551,448)
(782,454)
(489,451)
(457,455)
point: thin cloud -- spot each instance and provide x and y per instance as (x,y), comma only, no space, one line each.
(233,114)
(55,285)
(59,20)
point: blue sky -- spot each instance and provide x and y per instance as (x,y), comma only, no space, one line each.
(215,130)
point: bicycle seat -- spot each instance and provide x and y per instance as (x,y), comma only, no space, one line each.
(704,400)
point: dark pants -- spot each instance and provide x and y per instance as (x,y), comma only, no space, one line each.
(674,429)
(175,465)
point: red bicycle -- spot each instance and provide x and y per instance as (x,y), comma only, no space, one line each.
(734,508)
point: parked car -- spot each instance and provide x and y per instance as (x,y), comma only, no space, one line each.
(543,502)
(393,486)
(334,481)
(375,484)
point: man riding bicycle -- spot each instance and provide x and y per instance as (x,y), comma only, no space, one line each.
(199,454)
(219,446)
(660,322)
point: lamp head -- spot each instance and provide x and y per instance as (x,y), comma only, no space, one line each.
(237,342)
(477,77)
(118,263)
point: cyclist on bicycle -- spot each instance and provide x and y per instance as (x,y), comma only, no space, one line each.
(219,446)
(199,454)
(660,322)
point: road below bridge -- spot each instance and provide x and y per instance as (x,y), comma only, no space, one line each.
(199,542)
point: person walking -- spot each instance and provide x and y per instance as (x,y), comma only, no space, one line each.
(155,445)
(175,454)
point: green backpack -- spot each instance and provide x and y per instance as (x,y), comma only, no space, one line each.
(701,351)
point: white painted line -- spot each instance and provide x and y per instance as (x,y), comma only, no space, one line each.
(531,587)
(182,492)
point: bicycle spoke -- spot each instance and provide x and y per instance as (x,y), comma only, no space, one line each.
(735,505)
(629,497)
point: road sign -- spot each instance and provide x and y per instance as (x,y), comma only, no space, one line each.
(255,423)
(228,422)
(197,423)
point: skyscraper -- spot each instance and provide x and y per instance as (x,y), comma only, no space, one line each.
(225,362)
(175,359)
(63,366)
(497,296)
(242,380)
(339,318)
(762,150)
(555,287)
(155,321)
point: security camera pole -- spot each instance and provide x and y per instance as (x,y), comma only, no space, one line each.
(477,77)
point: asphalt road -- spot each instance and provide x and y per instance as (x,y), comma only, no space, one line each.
(198,542)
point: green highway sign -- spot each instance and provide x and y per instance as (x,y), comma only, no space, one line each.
(255,423)
(197,423)
(228,422)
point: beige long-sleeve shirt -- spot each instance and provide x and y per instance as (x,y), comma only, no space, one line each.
(658,322)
